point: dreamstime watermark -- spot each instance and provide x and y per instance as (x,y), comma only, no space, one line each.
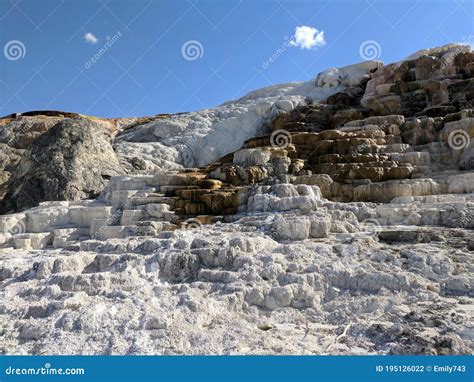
(458,139)
(23,130)
(187,157)
(372,225)
(362,149)
(280,139)
(18,228)
(191,224)
(96,57)
(370,50)
(286,44)
(114,219)
(44,370)
(468,40)
(447,60)
(14,50)
(192,50)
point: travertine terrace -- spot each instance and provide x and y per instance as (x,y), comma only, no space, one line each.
(333,216)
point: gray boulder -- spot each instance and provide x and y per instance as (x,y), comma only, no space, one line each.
(71,161)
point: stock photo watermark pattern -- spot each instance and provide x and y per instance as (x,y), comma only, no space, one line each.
(459,139)
(47,369)
(286,44)
(370,50)
(323,178)
(192,223)
(110,41)
(18,228)
(192,50)
(101,233)
(14,50)
(280,139)
(282,368)
(304,38)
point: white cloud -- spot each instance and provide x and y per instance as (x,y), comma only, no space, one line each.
(307,37)
(89,37)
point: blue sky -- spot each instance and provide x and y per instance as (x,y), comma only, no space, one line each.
(144,70)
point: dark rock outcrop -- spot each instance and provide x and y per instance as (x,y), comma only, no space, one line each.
(72,160)
(9,157)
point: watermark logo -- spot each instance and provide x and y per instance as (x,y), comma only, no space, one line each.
(372,224)
(110,41)
(192,50)
(18,228)
(363,148)
(280,139)
(287,42)
(47,369)
(23,130)
(458,139)
(447,59)
(191,224)
(112,220)
(14,50)
(370,50)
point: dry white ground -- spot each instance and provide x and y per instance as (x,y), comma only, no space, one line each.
(247,287)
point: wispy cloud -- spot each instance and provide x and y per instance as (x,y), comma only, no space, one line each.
(89,37)
(308,37)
